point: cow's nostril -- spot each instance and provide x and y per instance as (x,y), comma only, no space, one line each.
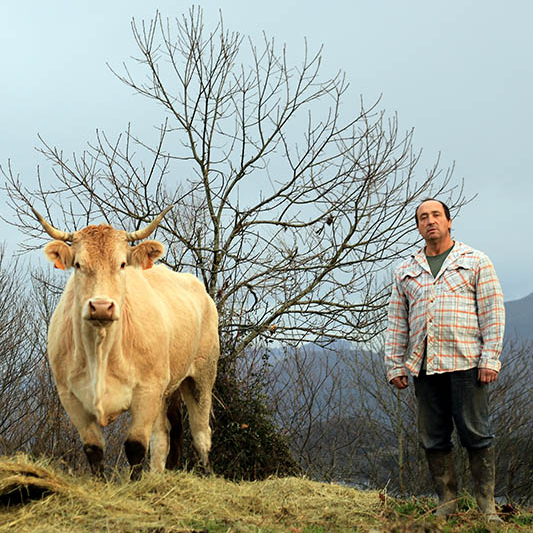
(101,309)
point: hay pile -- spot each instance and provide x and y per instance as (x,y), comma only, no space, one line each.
(36,497)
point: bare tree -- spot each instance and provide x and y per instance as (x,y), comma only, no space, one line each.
(394,458)
(306,394)
(511,398)
(291,198)
(28,401)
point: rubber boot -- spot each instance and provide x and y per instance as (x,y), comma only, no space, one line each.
(483,469)
(442,469)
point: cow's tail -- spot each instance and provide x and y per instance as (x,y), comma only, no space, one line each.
(174,409)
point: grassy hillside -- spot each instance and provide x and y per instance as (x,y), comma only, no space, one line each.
(55,501)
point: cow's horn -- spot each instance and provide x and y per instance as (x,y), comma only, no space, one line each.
(144,232)
(53,232)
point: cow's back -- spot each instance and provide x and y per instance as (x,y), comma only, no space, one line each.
(188,314)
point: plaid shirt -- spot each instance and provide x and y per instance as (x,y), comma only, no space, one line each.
(460,313)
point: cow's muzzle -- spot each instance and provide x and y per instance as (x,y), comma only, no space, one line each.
(101,311)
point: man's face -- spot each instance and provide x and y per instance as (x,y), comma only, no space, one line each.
(432,222)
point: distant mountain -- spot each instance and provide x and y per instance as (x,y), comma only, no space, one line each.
(519,319)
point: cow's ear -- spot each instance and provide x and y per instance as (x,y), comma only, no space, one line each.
(146,253)
(59,253)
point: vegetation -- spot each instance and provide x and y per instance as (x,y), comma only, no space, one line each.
(185,503)
(344,423)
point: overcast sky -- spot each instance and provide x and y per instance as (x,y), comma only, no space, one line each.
(460,72)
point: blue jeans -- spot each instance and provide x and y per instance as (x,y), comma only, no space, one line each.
(452,397)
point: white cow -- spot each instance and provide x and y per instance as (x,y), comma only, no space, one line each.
(126,336)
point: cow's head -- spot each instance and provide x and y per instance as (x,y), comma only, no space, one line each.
(99,256)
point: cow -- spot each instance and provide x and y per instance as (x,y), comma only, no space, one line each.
(130,336)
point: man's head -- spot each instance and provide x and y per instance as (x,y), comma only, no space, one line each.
(433,220)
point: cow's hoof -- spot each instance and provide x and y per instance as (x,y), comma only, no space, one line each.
(136,472)
(204,470)
(95,457)
(135,452)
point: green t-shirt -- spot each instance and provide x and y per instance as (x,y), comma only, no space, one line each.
(435,261)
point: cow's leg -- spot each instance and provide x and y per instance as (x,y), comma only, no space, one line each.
(146,407)
(90,432)
(197,397)
(159,441)
(174,408)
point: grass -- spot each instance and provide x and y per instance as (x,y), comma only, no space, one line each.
(179,502)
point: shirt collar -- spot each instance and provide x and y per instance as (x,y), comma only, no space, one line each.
(459,249)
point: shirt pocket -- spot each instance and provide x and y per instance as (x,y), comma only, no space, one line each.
(413,284)
(459,278)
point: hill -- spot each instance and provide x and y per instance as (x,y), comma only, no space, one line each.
(173,502)
(519,319)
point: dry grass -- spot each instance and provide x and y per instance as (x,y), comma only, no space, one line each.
(174,502)
(182,502)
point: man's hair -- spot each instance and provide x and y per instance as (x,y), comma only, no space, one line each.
(444,206)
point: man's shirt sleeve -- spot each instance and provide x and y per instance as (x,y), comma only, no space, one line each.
(397,336)
(491,314)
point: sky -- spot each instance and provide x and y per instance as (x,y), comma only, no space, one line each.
(459,72)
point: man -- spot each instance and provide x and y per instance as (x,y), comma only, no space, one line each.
(445,325)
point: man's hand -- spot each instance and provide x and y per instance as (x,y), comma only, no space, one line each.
(400,382)
(486,375)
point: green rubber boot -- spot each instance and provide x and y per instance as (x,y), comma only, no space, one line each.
(483,469)
(442,469)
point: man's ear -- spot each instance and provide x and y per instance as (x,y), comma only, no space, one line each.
(145,254)
(59,253)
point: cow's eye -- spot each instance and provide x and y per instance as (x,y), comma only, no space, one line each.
(123,265)
(77,265)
